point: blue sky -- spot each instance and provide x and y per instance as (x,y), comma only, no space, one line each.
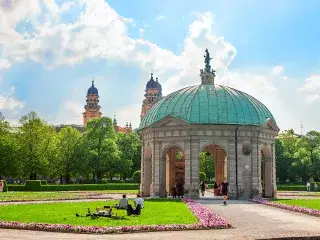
(51,50)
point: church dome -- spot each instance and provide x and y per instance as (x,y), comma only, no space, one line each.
(209,104)
(152,84)
(93,89)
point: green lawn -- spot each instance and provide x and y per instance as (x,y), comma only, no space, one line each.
(19,196)
(307,203)
(155,212)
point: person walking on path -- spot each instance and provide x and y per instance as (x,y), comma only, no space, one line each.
(203,187)
(308,186)
(224,190)
(315,186)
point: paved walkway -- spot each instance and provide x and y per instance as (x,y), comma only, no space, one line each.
(251,221)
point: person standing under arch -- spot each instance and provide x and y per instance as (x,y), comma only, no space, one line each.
(224,190)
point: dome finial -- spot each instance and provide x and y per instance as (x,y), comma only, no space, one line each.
(151,76)
(208,74)
(93,82)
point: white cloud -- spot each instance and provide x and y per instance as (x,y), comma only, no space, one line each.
(311,89)
(277,70)
(100,32)
(159,17)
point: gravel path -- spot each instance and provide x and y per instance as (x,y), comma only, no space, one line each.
(250,221)
(103,197)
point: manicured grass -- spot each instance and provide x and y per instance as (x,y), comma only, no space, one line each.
(25,196)
(155,212)
(306,203)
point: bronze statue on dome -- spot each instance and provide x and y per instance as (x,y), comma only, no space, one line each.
(207,60)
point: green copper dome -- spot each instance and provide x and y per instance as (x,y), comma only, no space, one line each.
(209,104)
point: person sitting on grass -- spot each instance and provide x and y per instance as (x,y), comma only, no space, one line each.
(138,202)
(123,203)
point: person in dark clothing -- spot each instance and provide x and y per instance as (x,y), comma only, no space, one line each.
(131,211)
(180,190)
(174,191)
(203,187)
(224,190)
(215,189)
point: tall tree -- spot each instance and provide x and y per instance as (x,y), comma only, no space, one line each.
(8,150)
(68,143)
(96,133)
(36,145)
(130,147)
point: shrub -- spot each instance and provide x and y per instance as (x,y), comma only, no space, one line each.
(33,185)
(136,176)
(202,176)
(43,182)
(77,187)
(5,186)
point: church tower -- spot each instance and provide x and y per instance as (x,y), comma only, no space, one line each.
(152,96)
(92,108)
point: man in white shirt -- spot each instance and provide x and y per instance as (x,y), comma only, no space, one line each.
(308,186)
(123,203)
(138,200)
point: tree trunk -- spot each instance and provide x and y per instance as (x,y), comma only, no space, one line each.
(61,179)
(67,178)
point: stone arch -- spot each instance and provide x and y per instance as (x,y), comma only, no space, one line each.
(219,153)
(146,172)
(172,168)
(266,174)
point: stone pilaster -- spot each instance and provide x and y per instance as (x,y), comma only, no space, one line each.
(255,182)
(232,170)
(192,169)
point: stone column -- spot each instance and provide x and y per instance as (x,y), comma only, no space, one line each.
(255,174)
(231,158)
(155,185)
(192,162)
(274,171)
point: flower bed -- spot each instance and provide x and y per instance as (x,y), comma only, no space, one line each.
(298,209)
(207,220)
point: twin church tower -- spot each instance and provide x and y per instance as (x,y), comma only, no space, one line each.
(92,108)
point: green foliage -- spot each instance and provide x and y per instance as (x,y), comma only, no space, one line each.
(207,165)
(130,147)
(296,187)
(33,185)
(305,203)
(101,152)
(67,160)
(202,176)
(298,158)
(35,150)
(36,145)
(75,187)
(136,176)
(5,186)
(43,182)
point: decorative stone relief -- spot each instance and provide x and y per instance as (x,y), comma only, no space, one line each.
(246,149)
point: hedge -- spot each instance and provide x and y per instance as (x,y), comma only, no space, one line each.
(74,187)
(300,187)
(5,186)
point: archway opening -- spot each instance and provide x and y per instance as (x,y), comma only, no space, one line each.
(266,173)
(175,170)
(146,175)
(213,163)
